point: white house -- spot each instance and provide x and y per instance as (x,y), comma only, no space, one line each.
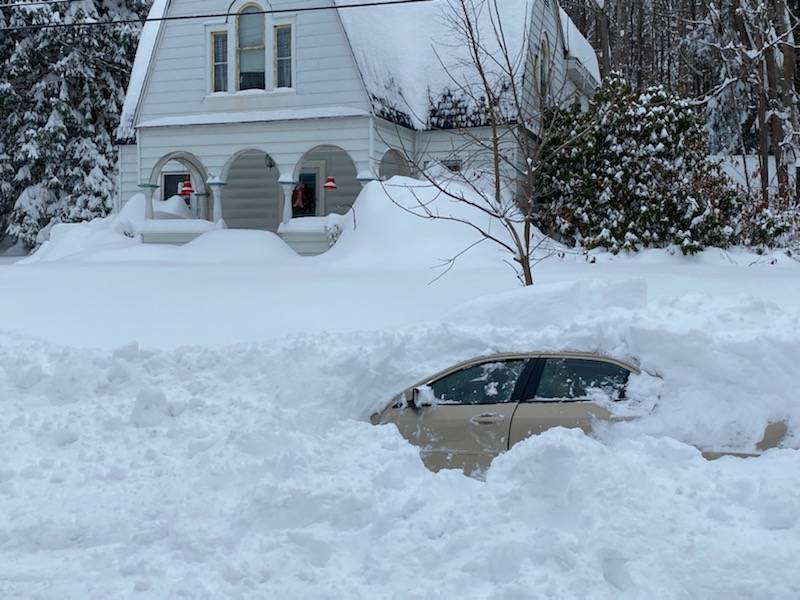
(259,103)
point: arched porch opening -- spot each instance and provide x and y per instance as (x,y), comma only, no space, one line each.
(393,164)
(310,198)
(170,171)
(252,197)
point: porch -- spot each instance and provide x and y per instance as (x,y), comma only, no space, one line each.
(302,196)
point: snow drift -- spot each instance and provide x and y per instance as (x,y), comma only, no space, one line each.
(250,471)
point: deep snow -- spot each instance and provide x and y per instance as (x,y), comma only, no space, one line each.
(227,453)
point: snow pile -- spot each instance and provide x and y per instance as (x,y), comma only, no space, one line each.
(250,470)
(390,229)
(173,207)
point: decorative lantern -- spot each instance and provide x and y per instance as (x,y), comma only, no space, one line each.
(186,189)
(330,183)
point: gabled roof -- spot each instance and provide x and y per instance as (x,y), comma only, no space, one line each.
(141,64)
(415,64)
(578,46)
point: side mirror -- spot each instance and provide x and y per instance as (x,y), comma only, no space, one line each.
(412,398)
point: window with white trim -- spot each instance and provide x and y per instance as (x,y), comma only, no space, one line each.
(219,61)
(283,55)
(251,55)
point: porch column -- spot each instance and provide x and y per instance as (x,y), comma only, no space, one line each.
(287,185)
(216,187)
(148,189)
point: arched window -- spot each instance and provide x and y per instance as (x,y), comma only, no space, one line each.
(250,50)
(544,68)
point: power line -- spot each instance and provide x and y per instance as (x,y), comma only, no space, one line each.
(204,16)
(37,2)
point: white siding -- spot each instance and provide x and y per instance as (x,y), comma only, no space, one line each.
(127,175)
(388,136)
(545,22)
(326,74)
(285,141)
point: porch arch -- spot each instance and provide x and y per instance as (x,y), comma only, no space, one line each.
(190,162)
(252,197)
(393,163)
(321,162)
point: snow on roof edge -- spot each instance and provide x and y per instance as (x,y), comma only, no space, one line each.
(578,46)
(141,64)
(281,114)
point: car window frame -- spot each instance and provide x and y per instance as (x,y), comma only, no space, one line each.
(528,395)
(519,387)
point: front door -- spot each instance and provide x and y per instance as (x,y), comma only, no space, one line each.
(463,418)
(567,392)
(304,197)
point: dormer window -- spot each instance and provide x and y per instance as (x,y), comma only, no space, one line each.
(251,50)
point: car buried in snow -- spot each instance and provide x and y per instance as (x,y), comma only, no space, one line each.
(464,416)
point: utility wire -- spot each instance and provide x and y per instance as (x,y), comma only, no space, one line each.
(203,16)
(37,2)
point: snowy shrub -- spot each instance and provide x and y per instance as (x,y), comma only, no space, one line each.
(763,227)
(635,174)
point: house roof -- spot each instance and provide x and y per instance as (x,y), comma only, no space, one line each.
(415,65)
(578,46)
(141,64)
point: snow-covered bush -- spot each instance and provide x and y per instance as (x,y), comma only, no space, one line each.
(763,227)
(636,176)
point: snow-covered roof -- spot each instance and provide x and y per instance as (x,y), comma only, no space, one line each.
(414,60)
(578,46)
(144,54)
(415,65)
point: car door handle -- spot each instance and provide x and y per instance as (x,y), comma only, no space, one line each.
(486,419)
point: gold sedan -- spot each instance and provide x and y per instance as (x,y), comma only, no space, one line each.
(464,416)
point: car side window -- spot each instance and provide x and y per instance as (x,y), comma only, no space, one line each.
(486,383)
(576,379)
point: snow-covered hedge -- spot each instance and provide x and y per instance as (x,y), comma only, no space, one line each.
(632,172)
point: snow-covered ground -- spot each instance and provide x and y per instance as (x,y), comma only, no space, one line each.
(192,422)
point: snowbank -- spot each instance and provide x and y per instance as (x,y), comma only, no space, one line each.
(388,231)
(232,472)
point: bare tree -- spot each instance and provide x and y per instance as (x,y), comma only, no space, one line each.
(500,179)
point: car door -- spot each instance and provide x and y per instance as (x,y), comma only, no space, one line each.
(463,418)
(566,391)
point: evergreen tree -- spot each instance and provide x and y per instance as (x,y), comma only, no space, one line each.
(63,90)
(639,175)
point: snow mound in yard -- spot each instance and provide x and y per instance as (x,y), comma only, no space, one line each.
(235,245)
(546,305)
(249,471)
(387,233)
